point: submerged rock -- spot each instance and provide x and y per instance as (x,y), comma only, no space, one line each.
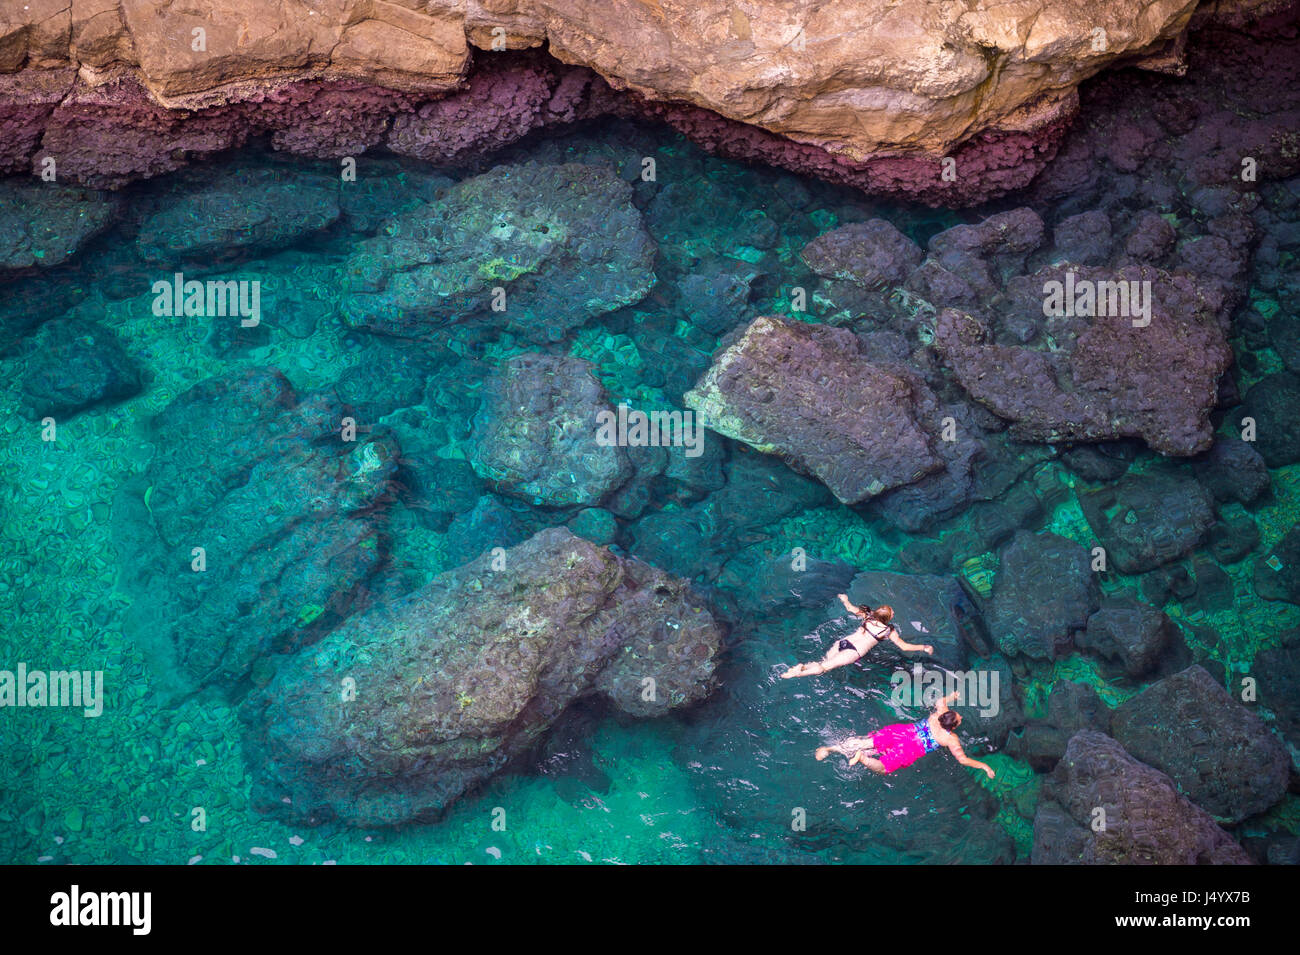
(1104,461)
(453,681)
(1147,520)
(1097,378)
(715,295)
(759,492)
(1277,576)
(487,525)
(385,187)
(384,379)
(1083,239)
(1278,670)
(1071,707)
(1232,470)
(1220,754)
(804,393)
(537,433)
(288,516)
(1043,593)
(872,254)
(1273,405)
(1147,821)
(216,212)
(75,365)
(861,92)
(999,242)
(1151,239)
(563,242)
(1133,634)
(1231,540)
(43,224)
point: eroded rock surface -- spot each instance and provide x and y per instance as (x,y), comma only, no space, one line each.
(1043,594)
(562,242)
(538,435)
(805,393)
(288,517)
(1101,377)
(1148,822)
(455,679)
(1223,756)
(857,90)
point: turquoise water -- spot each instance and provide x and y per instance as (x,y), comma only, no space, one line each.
(722,782)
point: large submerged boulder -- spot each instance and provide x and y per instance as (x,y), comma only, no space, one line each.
(44,224)
(563,243)
(288,516)
(1043,594)
(1223,756)
(397,713)
(1071,707)
(537,433)
(1132,634)
(1147,520)
(1278,671)
(806,393)
(872,254)
(75,365)
(1100,806)
(208,214)
(1101,371)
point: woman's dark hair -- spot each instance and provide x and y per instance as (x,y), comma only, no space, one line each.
(949,720)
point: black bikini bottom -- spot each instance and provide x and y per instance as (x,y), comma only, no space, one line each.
(847,644)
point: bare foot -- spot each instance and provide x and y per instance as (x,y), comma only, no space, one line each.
(793,671)
(857,758)
(822,752)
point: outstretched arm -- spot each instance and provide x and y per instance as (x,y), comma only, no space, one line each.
(941,707)
(897,640)
(844,599)
(960,755)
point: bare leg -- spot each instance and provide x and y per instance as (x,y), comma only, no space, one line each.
(803,669)
(875,765)
(836,658)
(846,749)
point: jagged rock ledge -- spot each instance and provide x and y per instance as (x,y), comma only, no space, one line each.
(858,92)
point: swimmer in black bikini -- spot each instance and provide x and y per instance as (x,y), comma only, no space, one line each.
(876,626)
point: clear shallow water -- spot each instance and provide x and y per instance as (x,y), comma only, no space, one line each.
(718,783)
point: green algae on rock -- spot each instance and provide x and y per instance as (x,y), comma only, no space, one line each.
(536,248)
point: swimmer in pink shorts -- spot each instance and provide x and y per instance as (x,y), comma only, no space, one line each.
(901,744)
